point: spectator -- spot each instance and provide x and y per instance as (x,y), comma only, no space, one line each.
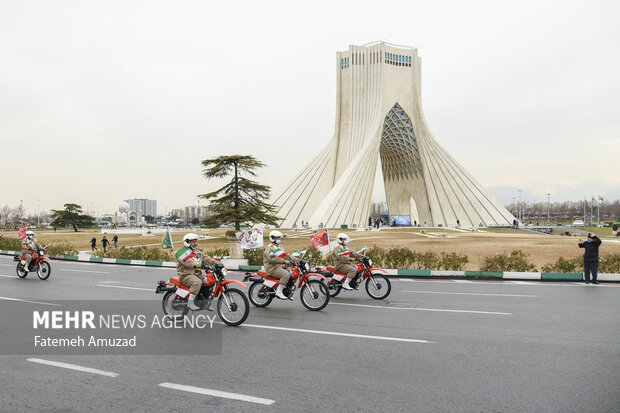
(105,243)
(115,239)
(93,244)
(590,257)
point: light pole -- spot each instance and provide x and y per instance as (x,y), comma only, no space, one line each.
(598,213)
(38,214)
(548,220)
(520,209)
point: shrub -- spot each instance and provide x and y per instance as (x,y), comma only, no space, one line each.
(138,253)
(564,265)
(216,252)
(609,264)
(61,247)
(404,258)
(453,261)
(254,256)
(10,244)
(515,261)
(378,256)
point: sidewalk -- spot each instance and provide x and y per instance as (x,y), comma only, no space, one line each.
(392,273)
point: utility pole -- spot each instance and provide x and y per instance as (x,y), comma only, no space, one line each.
(520,209)
(38,215)
(548,221)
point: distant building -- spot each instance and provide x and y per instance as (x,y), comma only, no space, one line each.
(179,212)
(143,207)
(378,209)
(194,211)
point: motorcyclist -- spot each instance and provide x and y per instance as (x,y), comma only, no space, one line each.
(275,261)
(189,259)
(342,259)
(30,245)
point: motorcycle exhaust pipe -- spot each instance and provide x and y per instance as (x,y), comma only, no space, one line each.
(256,279)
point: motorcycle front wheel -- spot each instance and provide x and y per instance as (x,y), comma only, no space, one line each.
(333,287)
(257,297)
(21,271)
(173,305)
(378,286)
(314,295)
(44,270)
(233,307)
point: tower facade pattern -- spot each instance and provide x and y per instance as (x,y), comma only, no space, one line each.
(379,116)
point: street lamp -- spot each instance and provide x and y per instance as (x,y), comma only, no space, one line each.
(520,209)
(548,195)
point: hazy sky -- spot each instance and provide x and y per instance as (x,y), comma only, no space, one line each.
(107,100)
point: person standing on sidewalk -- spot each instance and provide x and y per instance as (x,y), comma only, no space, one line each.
(590,257)
(93,244)
(115,239)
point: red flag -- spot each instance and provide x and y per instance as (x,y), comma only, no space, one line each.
(21,232)
(320,239)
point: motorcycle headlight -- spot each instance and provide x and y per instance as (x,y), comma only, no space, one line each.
(224,272)
(307,267)
(370,262)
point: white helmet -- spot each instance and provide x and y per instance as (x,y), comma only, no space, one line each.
(189,237)
(30,234)
(343,238)
(275,234)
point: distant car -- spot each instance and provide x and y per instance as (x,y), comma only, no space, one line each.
(577,223)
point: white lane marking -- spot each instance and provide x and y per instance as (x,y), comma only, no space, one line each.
(492,295)
(218,393)
(28,301)
(334,333)
(98,272)
(7,265)
(8,276)
(73,367)
(423,309)
(128,288)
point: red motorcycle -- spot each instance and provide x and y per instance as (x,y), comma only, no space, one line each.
(39,263)
(313,293)
(378,285)
(232,304)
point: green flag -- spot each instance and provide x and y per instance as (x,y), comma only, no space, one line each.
(166,242)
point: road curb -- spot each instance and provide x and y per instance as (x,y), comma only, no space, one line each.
(101,260)
(393,273)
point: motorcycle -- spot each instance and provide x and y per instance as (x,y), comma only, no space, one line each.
(313,291)
(378,285)
(232,303)
(39,263)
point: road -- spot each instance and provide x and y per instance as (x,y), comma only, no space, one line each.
(433,345)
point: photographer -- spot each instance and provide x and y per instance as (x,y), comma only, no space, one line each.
(590,257)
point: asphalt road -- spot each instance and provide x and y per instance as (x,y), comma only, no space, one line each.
(432,346)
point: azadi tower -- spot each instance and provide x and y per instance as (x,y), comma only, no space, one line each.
(379,114)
